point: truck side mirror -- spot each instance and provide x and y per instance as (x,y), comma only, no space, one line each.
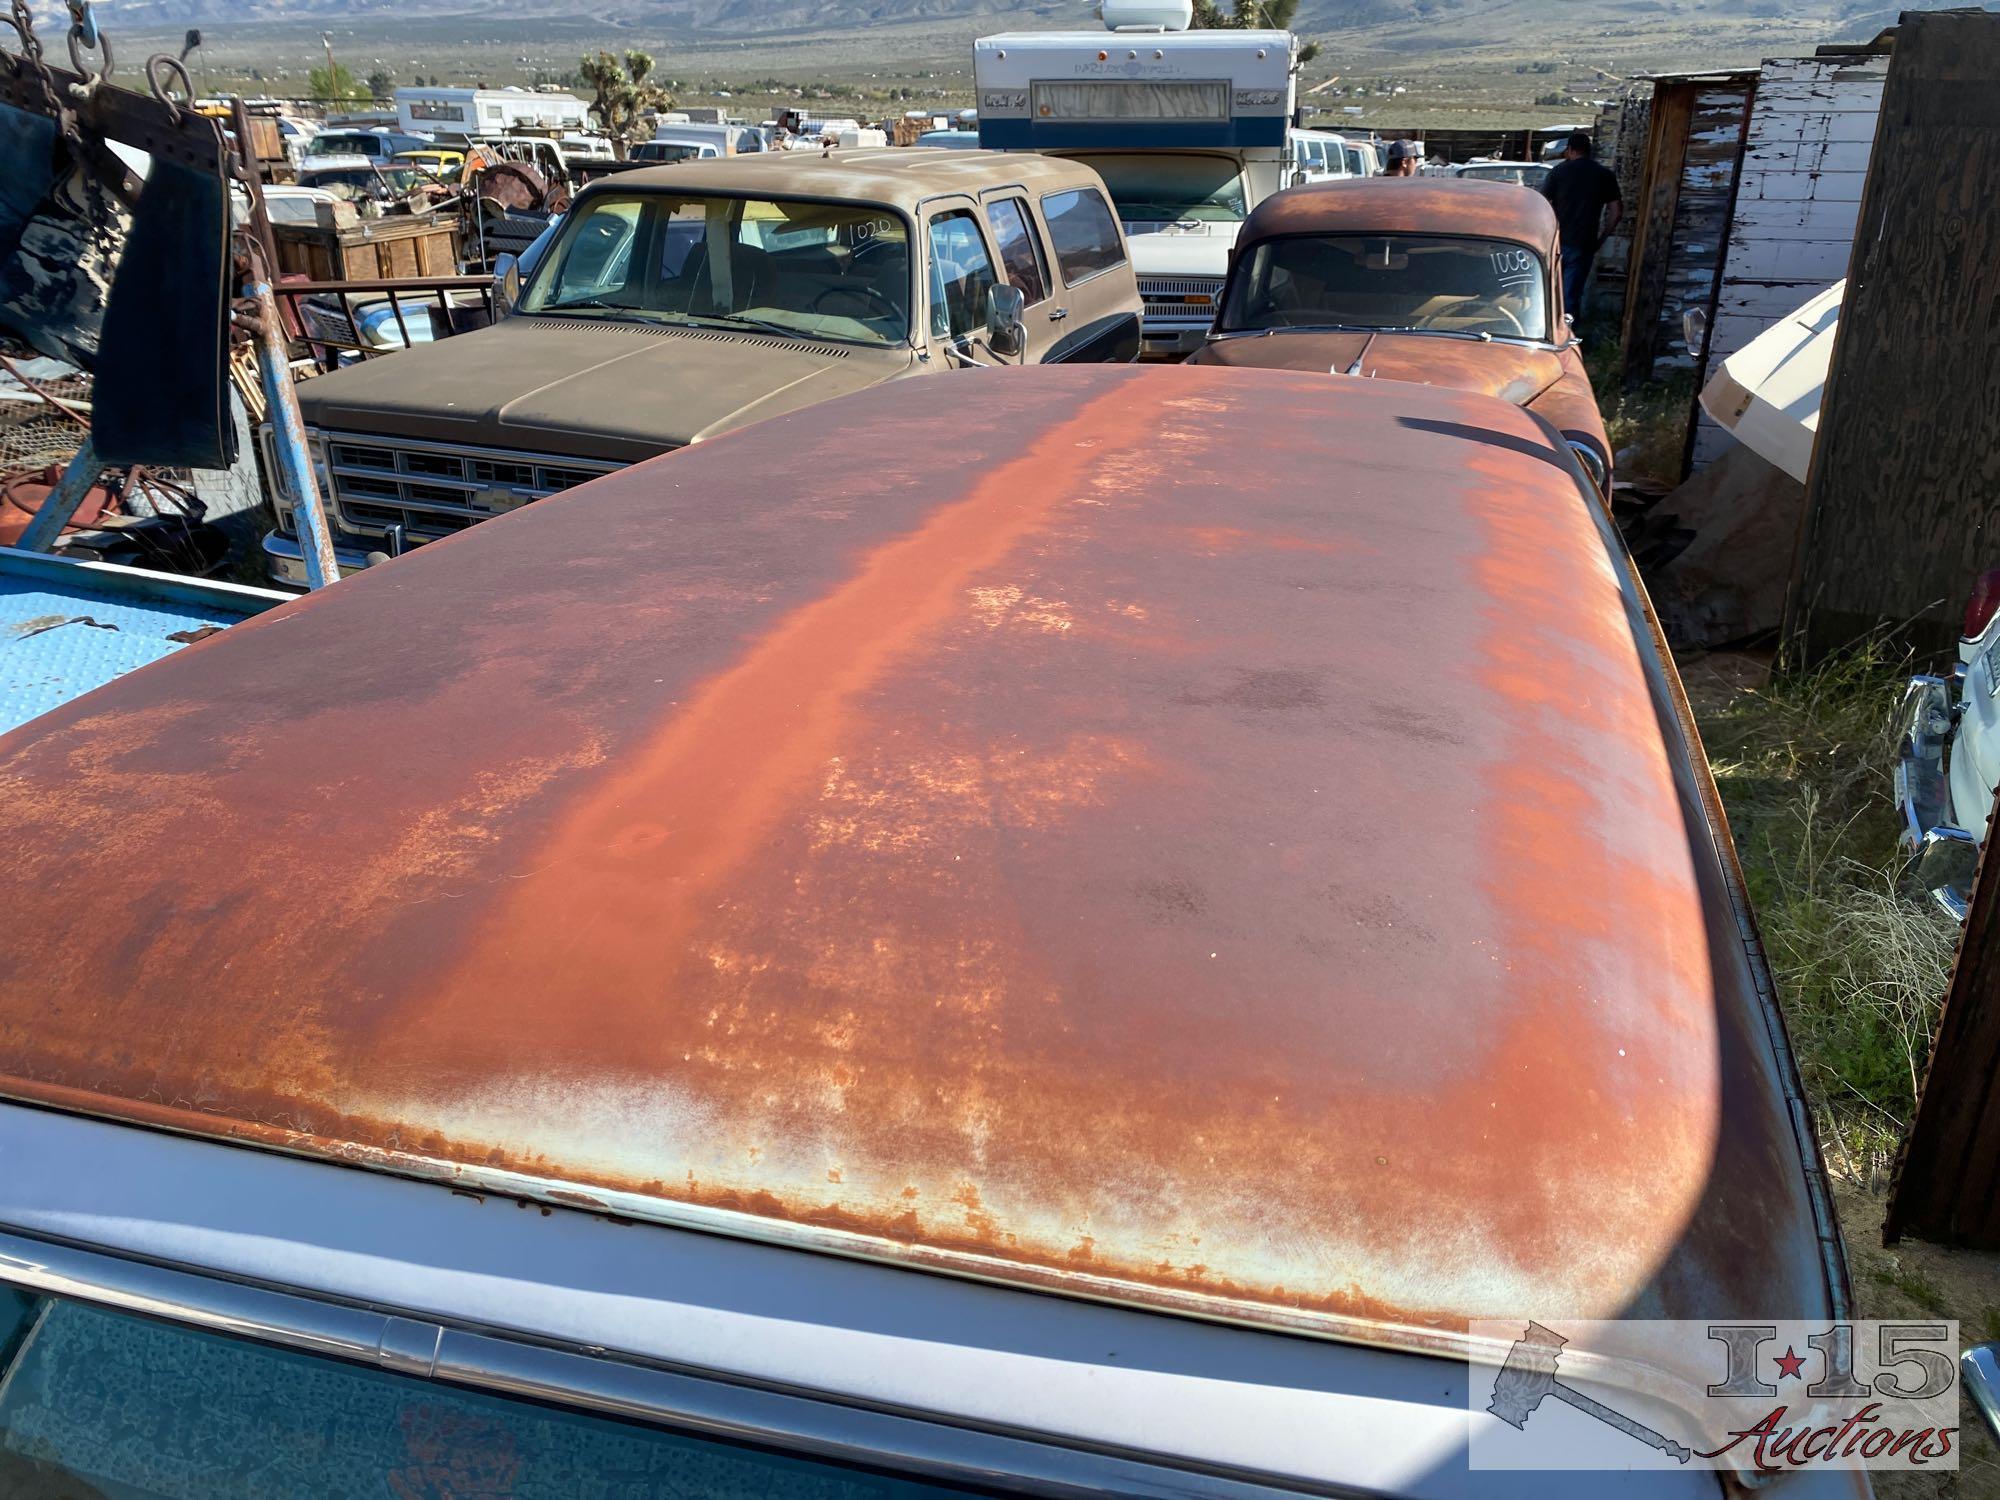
(506,284)
(1004,334)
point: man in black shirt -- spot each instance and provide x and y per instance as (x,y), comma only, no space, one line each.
(1579,189)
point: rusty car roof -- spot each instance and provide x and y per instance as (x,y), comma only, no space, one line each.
(1217,840)
(1407,205)
(903,176)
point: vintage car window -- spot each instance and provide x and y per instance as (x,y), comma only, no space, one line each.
(365,182)
(1405,282)
(962,276)
(1525,174)
(1020,247)
(1084,234)
(786,266)
(664,151)
(1171,186)
(97,1404)
(354,143)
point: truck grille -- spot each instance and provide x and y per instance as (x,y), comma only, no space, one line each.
(1179,301)
(1178,288)
(434,489)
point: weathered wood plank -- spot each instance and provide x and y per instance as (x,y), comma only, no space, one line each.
(1653,226)
(1792,187)
(1796,218)
(1904,498)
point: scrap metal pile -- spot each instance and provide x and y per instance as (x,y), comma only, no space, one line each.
(120,246)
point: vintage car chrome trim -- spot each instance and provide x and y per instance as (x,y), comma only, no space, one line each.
(1592,461)
(1940,852)
(1920,746)
(285,560)
(1220,335)
(1819,1192)
(1979,1370)
(422,1349)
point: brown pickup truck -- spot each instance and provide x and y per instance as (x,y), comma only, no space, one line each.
(683,301)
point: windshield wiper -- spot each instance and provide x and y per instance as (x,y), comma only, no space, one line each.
(742,320)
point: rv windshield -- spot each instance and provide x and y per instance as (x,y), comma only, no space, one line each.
(1168,186)
(817,270)
(1382,282)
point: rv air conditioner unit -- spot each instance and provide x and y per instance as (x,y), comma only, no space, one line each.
(1146,15)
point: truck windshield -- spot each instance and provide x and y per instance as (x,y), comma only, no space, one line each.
(102,1404)
(817,270)
(1380,282)
(1168,186)
(664,151)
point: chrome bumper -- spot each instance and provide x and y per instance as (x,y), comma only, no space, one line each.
(1170,341)
(1942,855)
(285,561)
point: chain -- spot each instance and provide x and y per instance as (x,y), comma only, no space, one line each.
(85,37)
(31,57)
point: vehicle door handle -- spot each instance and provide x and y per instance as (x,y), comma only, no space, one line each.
(1058,315)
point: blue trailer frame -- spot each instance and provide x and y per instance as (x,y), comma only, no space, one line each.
(67,626)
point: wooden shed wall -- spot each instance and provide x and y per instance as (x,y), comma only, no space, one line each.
(1620,133)
(1693,154)
(1805,159)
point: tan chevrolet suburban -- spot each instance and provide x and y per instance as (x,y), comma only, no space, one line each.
(679,302)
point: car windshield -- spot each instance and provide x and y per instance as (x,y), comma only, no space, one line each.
(356,143)
(666,151)
(1527,174)
(366,182)
(817,270)
(1169,186)
(1405,282)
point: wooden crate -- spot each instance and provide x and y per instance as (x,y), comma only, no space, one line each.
(373,250)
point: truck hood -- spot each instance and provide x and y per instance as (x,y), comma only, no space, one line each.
(1513,372)
(614,391)
(923,831)
(1200,249)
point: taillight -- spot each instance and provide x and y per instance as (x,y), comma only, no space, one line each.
(1985,600)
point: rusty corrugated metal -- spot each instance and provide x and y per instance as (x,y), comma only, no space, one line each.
(1213,839)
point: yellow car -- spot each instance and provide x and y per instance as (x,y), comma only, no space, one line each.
(437,161)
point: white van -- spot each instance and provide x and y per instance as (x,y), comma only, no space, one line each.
(1320,156)
(693,142)
(1190,130)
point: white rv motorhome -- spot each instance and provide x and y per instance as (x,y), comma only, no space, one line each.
(458,114)
(1190,130)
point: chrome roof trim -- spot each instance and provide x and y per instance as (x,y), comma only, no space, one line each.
(596,1382)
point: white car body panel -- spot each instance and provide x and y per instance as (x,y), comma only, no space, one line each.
(1103,1377)
(1768,392)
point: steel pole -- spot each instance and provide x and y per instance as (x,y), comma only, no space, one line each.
(84,470)
(288,441)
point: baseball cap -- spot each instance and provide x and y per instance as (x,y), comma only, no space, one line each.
(1404,150)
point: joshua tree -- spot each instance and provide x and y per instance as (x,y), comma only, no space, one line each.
(623,92)
(1252,15)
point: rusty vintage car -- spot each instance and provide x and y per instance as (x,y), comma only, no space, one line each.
(507,1021)
(1443,281)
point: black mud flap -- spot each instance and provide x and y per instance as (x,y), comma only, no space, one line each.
(134,291)
(162,391)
